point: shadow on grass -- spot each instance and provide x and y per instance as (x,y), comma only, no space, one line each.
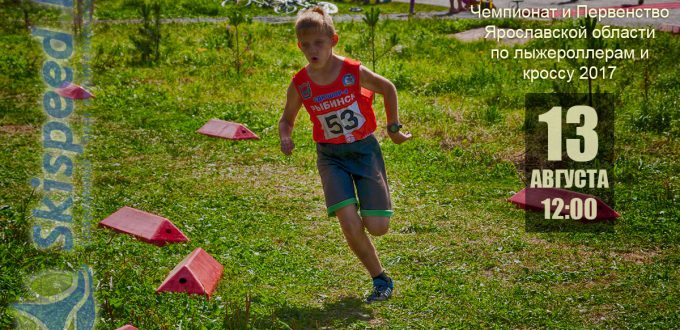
(337,314)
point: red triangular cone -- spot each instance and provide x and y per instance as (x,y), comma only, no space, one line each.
(672,28)
(198,273)
(537,195)
(227,130)
(127,327)
(147,227)
(73,91)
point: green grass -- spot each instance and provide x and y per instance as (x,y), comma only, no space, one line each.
(457,250)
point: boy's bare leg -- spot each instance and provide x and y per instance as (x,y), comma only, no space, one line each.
(353,229)
(377,226)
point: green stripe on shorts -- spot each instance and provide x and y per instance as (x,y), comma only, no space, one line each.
(331,209)
(376,213)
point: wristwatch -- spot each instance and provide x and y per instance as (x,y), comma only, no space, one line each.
(394,128)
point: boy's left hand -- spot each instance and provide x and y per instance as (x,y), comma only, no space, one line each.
(287,146)
(399,137)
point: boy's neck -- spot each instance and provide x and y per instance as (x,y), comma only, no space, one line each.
(329,68)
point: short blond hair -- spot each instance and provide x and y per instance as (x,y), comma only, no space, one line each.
(316,19)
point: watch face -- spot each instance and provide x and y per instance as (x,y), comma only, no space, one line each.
(393,128)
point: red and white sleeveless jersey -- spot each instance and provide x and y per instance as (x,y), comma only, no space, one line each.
(342,111)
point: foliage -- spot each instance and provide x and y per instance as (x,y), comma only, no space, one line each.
(237,18)
(148,38)
(371,19)
(368,41)
(659,114)
(20,15)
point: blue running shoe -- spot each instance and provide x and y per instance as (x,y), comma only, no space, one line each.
(382,290)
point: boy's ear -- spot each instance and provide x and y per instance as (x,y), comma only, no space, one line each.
(335,39)
(299,45)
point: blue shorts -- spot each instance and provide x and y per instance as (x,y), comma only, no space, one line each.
(359,164)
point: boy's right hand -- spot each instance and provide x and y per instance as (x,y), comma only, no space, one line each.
(287,146)
(399,137)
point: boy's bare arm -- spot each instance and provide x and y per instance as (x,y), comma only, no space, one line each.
(287,121)
(381,85)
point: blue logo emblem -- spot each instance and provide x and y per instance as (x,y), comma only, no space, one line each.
(72,309)
(348,79)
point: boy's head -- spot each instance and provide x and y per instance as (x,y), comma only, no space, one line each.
(314,19)
(316,35)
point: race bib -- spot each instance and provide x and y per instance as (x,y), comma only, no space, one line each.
(342,122)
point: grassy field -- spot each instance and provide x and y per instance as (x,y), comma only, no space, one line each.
(457,250)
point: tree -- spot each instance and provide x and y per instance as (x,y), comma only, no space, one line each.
(147,42)
(371,19)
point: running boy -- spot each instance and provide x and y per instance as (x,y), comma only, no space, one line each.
(337,93)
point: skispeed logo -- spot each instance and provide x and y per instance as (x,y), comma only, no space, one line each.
(73,308)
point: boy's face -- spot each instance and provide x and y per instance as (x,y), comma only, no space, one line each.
(317,46)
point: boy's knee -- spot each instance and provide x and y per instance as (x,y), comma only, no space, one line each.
(349,220)
(378,231)
(377,226)
(352,228)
